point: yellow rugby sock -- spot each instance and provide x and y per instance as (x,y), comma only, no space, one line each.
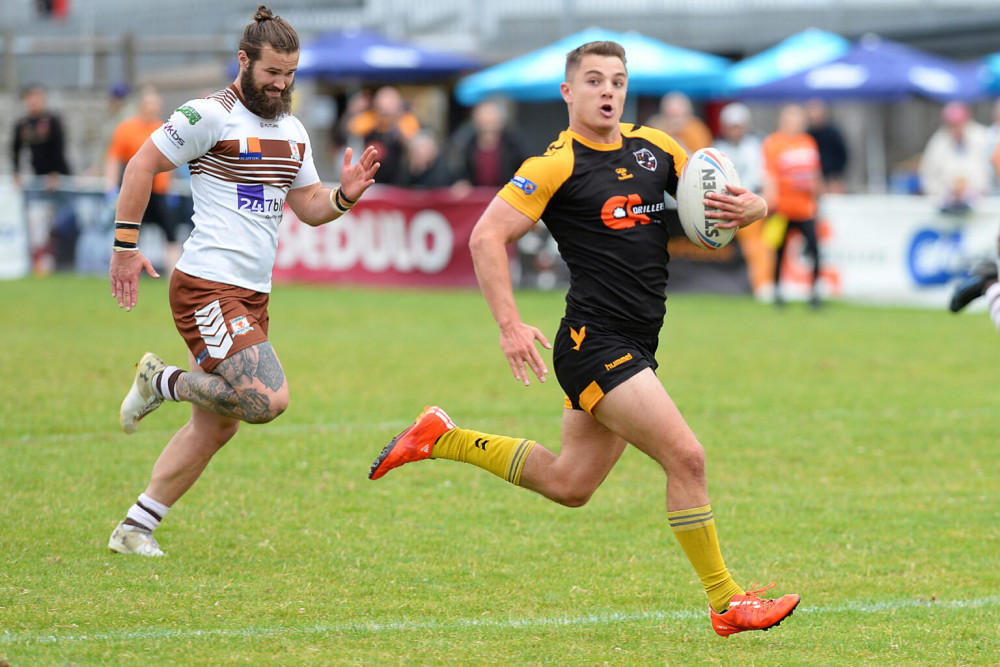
(695,530)
(499,454)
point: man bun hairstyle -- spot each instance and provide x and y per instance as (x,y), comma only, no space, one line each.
(266,28)
(604,48)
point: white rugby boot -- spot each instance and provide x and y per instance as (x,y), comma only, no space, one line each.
(141,399)
(128,539)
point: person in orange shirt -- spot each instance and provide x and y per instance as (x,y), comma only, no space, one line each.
(388,125)
(127,139)
(677,118)
(792,182)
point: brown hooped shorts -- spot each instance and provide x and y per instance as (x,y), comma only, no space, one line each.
(216,320)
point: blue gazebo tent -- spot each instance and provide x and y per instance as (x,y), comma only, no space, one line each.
(366,56)
(654,68)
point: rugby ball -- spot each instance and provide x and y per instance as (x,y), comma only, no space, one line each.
(707,170)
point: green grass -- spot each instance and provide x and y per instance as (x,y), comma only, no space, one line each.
(852,458)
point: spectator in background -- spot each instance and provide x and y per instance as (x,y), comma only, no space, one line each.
(424,167)
(387,126)
(792,183)
(487,151)
(993,143)
(743,146)
(832,148)
(119,107)
(126,140)
(40,132)
(52,230)
(954,167)
(676,118)
(358,102)
(739,141)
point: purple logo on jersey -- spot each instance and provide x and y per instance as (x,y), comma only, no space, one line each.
(523,183)
(173,135)
(250,198)
(646,159)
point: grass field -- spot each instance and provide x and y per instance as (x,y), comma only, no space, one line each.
(853,458)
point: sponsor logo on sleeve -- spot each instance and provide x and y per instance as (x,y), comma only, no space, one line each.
(189,113)
(523,183)
(173,135)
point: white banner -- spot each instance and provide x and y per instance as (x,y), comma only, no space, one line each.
(15,261)
(899,249)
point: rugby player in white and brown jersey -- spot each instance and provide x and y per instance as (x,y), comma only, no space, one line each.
(248,158)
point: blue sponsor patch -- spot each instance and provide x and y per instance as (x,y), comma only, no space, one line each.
(523,183)
(250,198)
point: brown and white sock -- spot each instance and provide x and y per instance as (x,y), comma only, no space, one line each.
(165,383)
(146,513)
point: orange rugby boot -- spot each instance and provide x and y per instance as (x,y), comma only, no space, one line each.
(413,444)
(749,612)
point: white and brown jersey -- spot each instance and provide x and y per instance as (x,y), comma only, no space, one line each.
(242,167)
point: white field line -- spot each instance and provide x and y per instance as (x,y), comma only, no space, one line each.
(404,625)
(113,431)
(399,424)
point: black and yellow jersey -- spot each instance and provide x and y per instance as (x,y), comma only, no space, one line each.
(604,205)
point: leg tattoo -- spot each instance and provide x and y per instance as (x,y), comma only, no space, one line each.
(230,389)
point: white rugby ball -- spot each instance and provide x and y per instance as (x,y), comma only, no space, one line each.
(707,170)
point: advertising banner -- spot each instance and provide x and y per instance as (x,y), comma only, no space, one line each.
(393,236)
(900,249)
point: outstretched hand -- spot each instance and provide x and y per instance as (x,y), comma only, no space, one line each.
(356,178)
(739,208)
(518,345)
(126,267)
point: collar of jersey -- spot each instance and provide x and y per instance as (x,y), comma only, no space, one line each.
(595,145)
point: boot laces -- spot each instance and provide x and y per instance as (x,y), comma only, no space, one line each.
(755,592)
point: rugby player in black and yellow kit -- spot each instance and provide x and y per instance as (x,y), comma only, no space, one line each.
(599,187)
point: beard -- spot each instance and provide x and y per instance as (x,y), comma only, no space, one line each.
(258,102)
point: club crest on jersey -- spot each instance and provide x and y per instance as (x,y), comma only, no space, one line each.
(294,147)
(645,158)
(524,184)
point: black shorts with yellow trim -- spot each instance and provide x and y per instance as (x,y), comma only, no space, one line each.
(592,357)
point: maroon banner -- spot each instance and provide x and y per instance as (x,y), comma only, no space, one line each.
(393,236)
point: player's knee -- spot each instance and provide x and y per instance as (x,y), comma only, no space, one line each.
(688,462)
(573,500)
(572,493)
(258,411)
(694,461)
(280,402)
(277,405)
